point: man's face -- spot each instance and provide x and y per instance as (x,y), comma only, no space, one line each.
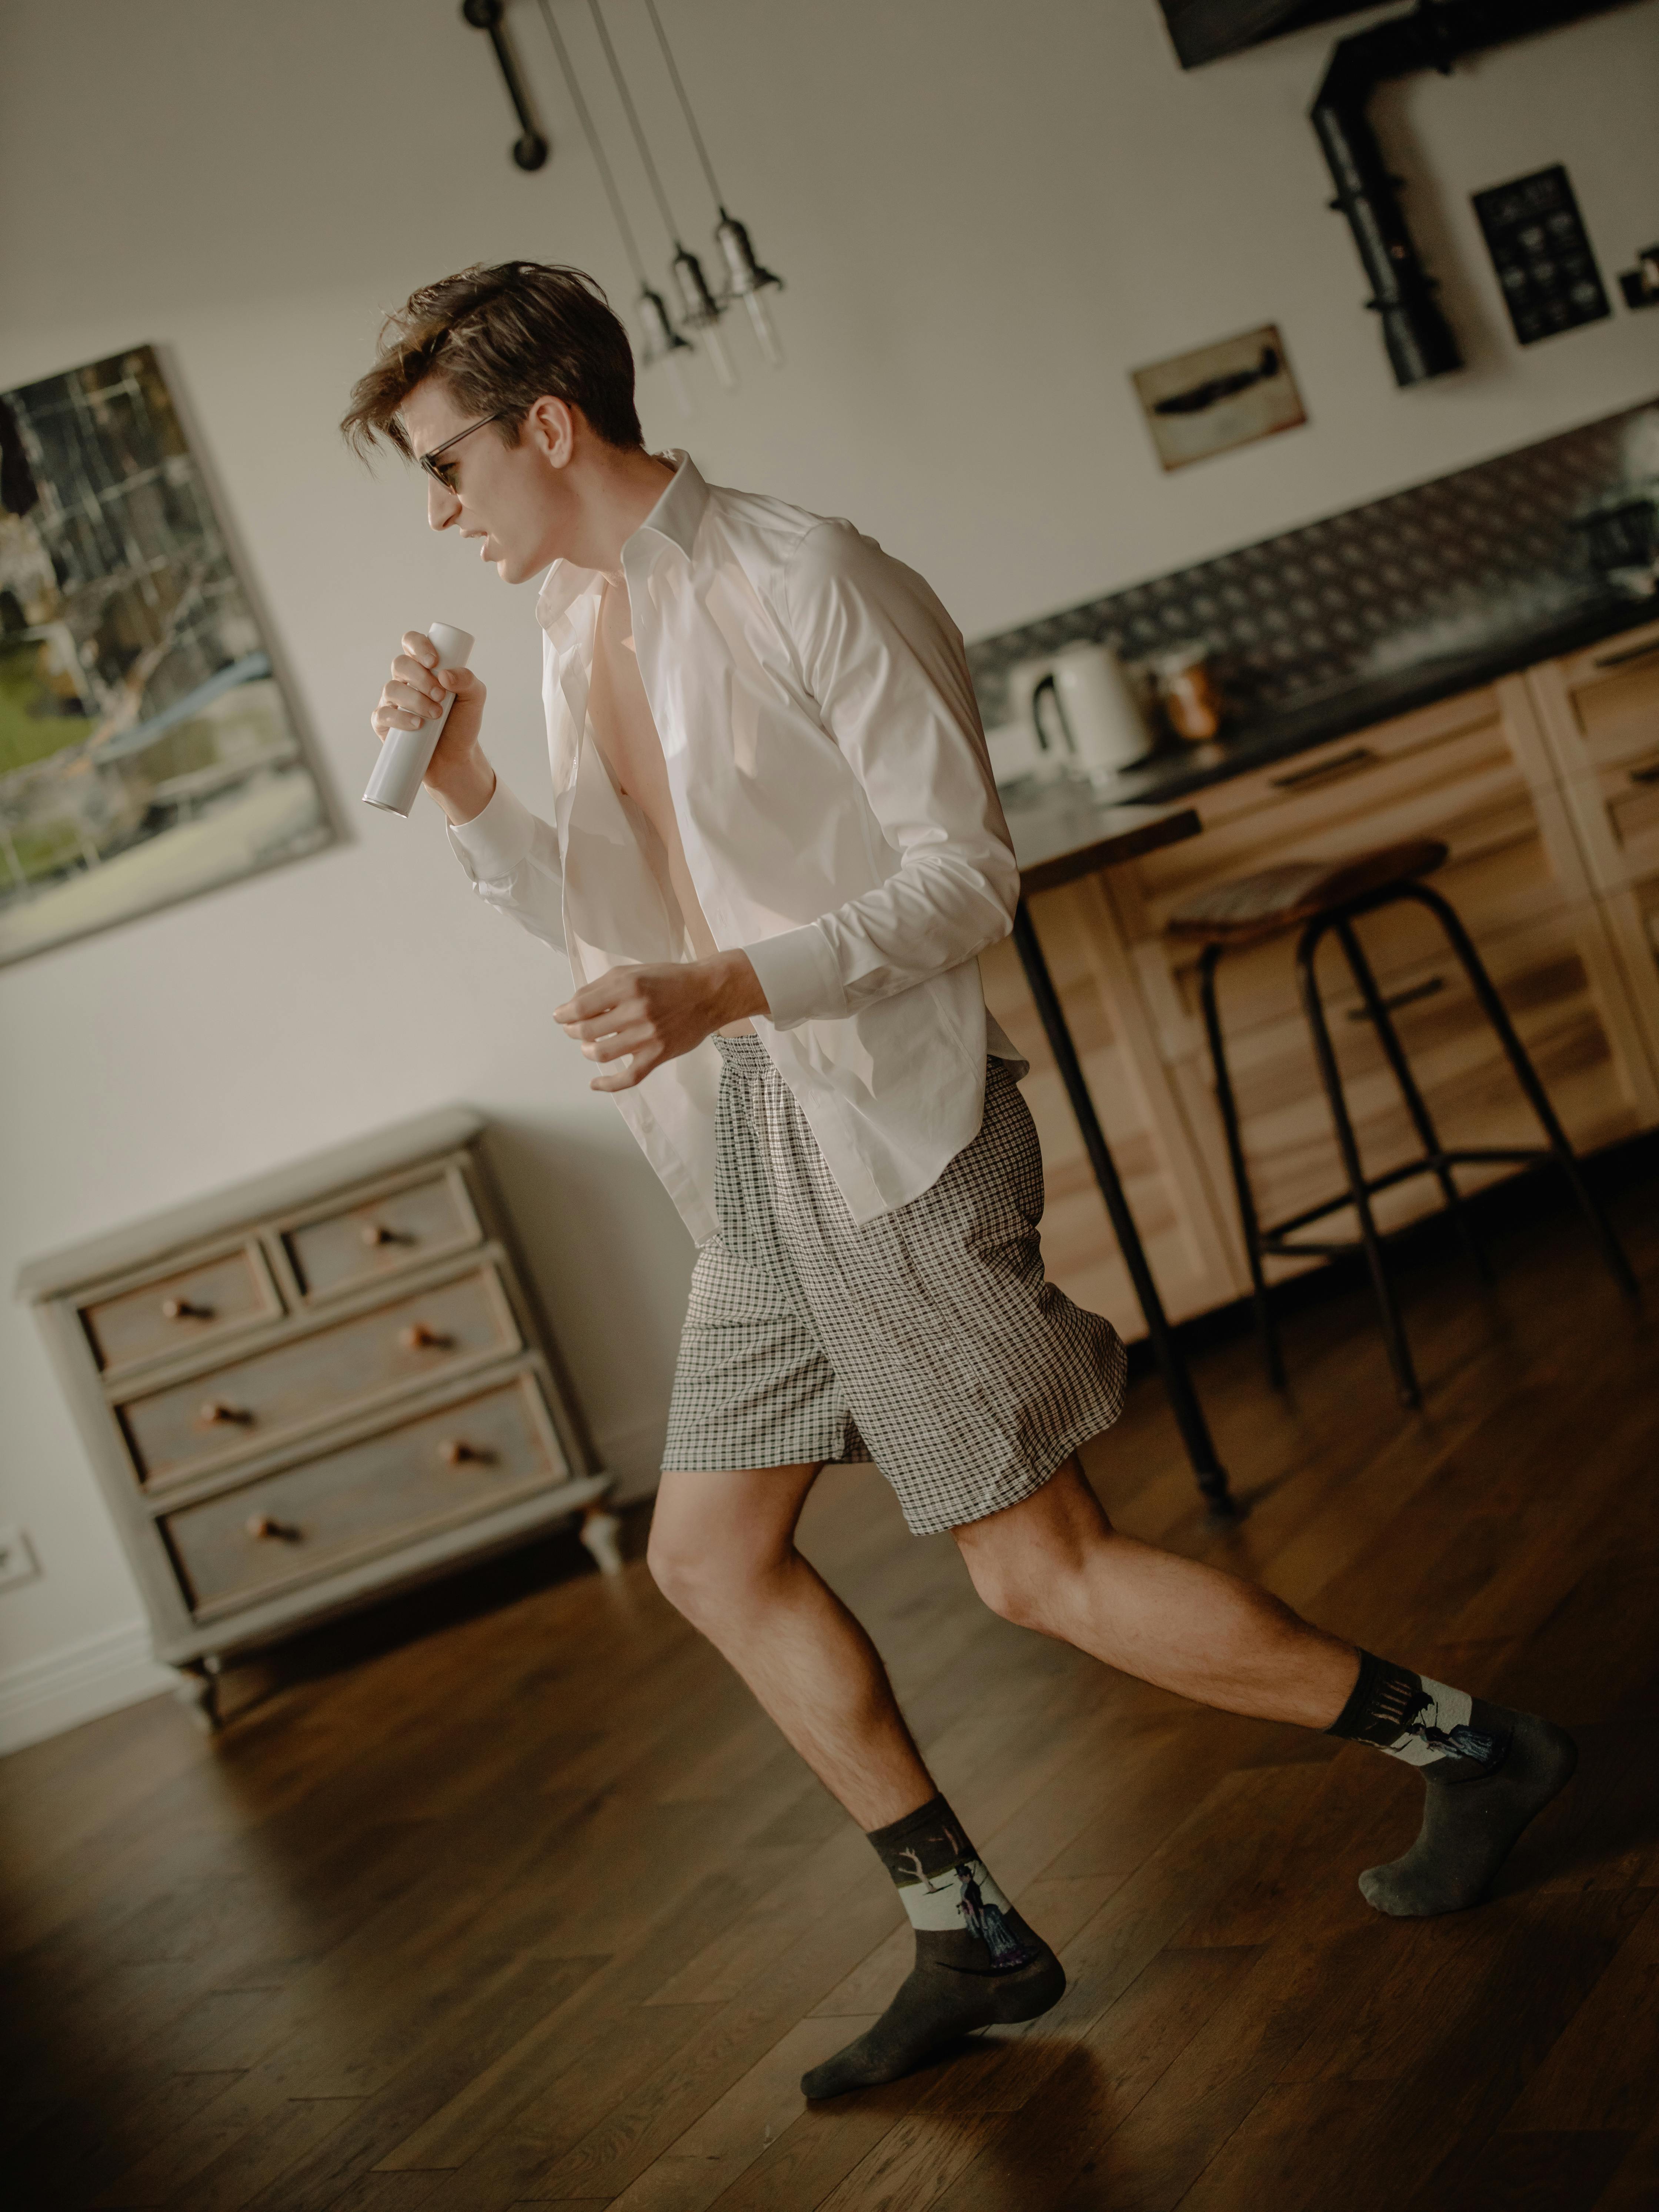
(515,499)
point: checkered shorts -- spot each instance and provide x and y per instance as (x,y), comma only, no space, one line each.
(925,1340)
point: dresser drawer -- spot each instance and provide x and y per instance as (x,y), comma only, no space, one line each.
(401,1228)
(252,1402)
(391,1490)
(181,1309)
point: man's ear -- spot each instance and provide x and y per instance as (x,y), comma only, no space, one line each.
(550,425)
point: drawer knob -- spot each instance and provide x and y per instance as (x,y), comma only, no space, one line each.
(269,1529)
(455,1453)
(184,1310)
(216,1414)
(419,1338)
(376,1234)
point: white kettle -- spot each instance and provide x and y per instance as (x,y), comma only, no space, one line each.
(1081,702)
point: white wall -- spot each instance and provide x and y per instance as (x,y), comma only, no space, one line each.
(986,214)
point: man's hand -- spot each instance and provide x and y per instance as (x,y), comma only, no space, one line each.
(655,1012)
(459,778)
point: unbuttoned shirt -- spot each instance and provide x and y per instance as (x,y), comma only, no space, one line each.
(839,820)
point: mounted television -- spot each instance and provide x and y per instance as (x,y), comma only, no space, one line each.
(1204,30)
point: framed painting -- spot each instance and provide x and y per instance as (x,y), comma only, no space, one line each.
(1221,396)
(147,752)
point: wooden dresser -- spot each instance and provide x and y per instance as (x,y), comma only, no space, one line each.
(310,1390)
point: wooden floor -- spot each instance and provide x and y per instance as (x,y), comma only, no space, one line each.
(519,1902)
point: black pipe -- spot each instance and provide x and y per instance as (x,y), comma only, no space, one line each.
(1433,35)
(530,149)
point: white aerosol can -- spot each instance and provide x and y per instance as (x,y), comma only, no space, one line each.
(407,754)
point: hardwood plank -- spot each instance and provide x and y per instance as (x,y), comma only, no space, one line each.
(737,2128)
(283,2138)
(1285,2151)
(1098,2078)
(1634,2185)
(1536,2172)
(914,2164)
(1599,2077)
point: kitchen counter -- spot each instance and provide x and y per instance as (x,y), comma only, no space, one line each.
(1176,768)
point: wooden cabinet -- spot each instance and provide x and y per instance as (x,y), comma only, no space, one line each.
(1484,772)
(1598,720)
(312,1388)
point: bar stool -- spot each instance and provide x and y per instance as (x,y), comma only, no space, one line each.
(1327,897)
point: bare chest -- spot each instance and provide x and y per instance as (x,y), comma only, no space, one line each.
(622,725)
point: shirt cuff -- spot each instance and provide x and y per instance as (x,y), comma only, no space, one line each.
(494,845)
(798,975)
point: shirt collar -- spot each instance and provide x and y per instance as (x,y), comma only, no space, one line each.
(676,516)
(679,512)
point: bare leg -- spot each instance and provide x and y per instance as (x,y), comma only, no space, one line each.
(1055,1563)
(723,1552)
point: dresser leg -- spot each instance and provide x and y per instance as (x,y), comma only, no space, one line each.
(599,1530)
(198,1688)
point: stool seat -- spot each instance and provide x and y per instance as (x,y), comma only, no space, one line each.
(1246,908)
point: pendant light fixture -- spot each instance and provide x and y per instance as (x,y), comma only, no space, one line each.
(750,281)
(699,309)
(701,306)
(663,341)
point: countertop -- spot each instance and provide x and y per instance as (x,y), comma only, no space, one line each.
(1177,768)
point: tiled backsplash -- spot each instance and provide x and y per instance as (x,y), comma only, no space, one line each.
(1439,569)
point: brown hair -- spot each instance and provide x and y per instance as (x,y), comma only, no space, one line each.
(500,338)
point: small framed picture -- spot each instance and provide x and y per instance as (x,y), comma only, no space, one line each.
(1224,395)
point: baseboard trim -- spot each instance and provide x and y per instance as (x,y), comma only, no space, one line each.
(99,1675)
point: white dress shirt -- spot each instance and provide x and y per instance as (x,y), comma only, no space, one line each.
(840,821)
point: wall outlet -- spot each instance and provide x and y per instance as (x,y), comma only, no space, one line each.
(17,1561)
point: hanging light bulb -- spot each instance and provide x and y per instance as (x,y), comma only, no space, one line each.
(663,342)
(750,283)
(701,310)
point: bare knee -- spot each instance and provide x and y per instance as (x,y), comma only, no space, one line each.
(1031,1563)
(719,1543)
(708,1582)
(1015,1595)
(681,1572)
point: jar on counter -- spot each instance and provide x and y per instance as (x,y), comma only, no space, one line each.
(1186,692)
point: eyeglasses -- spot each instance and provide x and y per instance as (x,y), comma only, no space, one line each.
(440,471)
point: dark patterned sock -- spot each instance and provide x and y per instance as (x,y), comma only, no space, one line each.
(1486,1772)
(976,1960)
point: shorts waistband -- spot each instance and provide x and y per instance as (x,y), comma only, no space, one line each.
(742,1051)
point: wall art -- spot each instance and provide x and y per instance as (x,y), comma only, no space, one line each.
(147,753)
(1542,255)
(1221,396)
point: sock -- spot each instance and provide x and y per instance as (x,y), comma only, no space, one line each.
(1486,1771)
(976,1960)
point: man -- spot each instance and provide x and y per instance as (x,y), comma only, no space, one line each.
(776,851)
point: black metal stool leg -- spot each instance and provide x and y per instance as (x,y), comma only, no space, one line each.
(1416,1105)
(1183,1398)
(1527,1076)
(1248,1222)
(1394,1331)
